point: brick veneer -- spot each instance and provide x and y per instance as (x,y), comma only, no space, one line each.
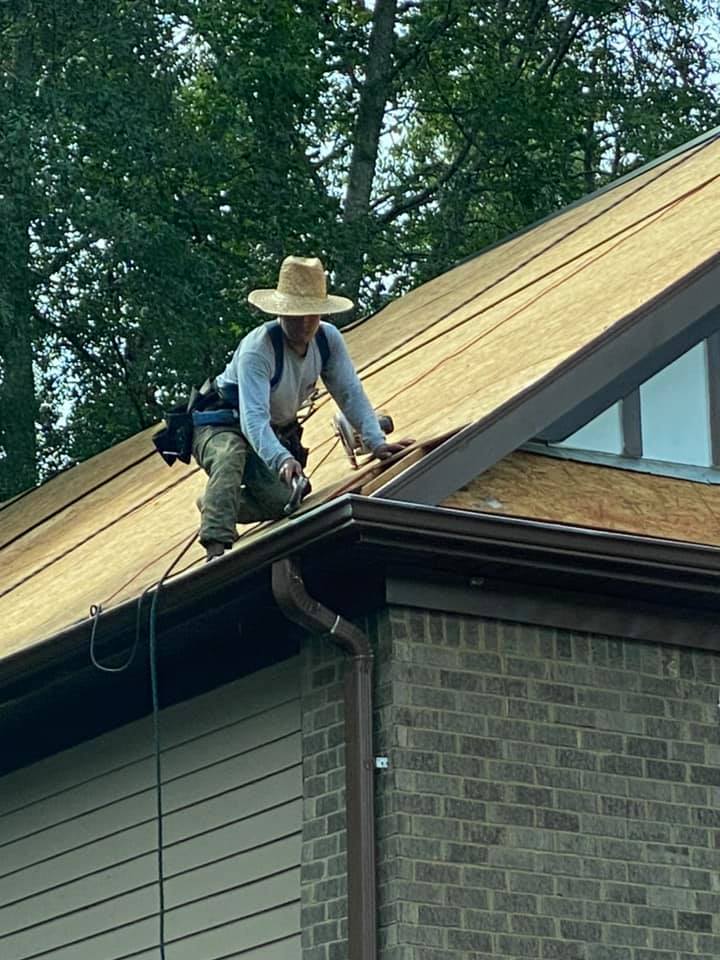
(550,795)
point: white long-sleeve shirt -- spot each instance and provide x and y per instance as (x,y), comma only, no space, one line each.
(252,368)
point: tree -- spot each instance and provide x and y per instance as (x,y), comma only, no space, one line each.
(512,109)
(158,158)
(18,405)
(161,174)
(374,93)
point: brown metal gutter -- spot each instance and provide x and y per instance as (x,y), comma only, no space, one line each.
(297,605)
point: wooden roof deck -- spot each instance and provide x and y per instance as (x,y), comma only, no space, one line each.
(446,355)
(539,487)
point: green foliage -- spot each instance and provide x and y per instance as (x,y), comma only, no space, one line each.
(158,158)
(514,109)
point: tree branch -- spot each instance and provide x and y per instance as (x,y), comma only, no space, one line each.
(62,334)
(568,33)
(334,154)
(529,27)
(62,259)
(419,45)
(424,195)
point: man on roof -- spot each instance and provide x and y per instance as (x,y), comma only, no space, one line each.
(255,457)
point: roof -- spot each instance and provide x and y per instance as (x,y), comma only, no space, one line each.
(546,488)
(472,364)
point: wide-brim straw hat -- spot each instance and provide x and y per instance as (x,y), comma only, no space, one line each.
(301,290)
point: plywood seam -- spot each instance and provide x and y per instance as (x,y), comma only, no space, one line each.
(68,503)
(99,530)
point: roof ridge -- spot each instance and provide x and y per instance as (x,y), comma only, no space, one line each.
(702,139)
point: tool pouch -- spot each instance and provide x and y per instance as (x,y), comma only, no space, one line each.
(206,405)
(174,441)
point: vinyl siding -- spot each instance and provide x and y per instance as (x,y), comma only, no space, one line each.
(78,862)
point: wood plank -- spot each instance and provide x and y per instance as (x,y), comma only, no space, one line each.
(408,460)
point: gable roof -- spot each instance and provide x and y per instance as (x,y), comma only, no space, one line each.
(481,359)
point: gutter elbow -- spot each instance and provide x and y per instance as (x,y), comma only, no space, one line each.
(293,599)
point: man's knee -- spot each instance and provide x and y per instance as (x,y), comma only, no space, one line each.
(265,500)
(275,498)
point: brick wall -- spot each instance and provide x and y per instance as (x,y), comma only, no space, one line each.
(322,874)
(550,795)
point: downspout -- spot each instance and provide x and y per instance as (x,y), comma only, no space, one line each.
(292,598)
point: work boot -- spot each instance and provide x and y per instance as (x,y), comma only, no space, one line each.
(215,549)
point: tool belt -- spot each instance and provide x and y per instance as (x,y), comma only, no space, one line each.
(212,406)
(204,406)
(216,406)
(174,440)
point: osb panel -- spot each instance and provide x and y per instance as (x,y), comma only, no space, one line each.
(28,510)
(491,276)
(114,543)
(540,487)
(83,520)
(448,354)
(100,570)
(486,352)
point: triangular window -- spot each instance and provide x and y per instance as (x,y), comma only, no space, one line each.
(673,418)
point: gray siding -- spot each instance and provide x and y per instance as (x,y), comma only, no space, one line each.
(78,862)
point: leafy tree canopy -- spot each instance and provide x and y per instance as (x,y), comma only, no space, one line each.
(158,158)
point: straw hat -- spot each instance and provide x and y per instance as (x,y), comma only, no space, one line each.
(301,290)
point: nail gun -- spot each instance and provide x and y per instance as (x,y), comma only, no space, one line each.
(350,438)
(300,487)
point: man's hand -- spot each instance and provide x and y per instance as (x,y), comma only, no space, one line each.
(387,450)
(289,470)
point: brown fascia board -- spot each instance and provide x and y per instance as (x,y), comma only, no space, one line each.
(684,312)
(527,551)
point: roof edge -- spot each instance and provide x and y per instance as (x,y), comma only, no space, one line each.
(600,558)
